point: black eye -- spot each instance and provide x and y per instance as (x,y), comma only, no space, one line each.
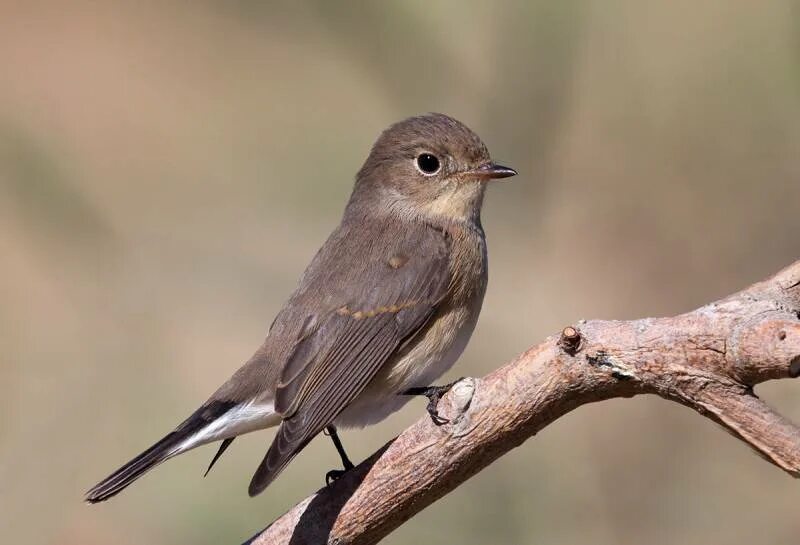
(428,164)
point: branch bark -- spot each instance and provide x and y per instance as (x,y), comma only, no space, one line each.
(709,360)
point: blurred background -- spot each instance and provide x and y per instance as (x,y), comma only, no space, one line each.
(168,169)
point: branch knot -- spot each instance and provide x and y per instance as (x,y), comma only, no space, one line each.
(570,340)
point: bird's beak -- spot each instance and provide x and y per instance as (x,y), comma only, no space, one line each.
(491,171)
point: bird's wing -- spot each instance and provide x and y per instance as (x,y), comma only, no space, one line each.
(382,301)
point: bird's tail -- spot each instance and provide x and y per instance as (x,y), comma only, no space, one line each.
(172,444)
(121,478)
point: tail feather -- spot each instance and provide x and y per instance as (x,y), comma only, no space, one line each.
(117,481)
(222,448)
(170,445)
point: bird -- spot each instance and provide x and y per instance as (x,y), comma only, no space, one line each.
(386,306)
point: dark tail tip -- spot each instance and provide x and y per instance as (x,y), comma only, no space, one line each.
(121,478)
(166,448)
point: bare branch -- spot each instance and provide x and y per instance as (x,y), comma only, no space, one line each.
(709,360)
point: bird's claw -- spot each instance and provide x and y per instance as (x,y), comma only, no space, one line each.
(333,475)
(434,394)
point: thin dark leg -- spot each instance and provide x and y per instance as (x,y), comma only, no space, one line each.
(334,474)
(434,394)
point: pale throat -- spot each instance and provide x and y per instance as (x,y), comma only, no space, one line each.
(459,201)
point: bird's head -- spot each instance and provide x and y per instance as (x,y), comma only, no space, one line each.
(430,166)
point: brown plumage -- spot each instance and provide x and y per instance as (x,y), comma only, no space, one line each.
(388,303)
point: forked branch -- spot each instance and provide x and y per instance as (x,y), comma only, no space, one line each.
(709,359)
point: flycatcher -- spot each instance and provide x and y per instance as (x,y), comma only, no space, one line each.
(385,307)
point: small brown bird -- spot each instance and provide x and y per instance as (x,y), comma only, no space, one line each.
(385,307)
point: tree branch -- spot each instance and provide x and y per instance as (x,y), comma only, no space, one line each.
(708,360)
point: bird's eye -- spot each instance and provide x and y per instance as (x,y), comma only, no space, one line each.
(428,164)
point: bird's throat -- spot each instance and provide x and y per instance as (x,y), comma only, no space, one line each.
(459,202)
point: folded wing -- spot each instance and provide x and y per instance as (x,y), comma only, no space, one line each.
(380,304)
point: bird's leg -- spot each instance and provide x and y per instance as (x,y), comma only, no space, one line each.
(434,394)
(334,474)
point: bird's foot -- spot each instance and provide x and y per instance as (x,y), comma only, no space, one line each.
(334,474)
(434,394)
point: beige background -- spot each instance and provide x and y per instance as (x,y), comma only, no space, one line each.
(168,169)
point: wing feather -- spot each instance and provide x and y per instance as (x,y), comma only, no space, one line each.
(331,365)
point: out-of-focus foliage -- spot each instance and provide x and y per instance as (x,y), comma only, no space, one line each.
(168,169)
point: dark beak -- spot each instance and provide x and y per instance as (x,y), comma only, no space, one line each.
(492,171)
